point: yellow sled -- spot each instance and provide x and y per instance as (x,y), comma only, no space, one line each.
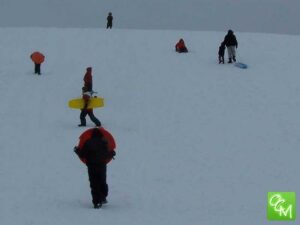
(94,102)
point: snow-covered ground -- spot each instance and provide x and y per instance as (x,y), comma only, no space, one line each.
(263,16)
(198,142)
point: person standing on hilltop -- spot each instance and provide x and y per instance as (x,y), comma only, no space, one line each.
(109,20)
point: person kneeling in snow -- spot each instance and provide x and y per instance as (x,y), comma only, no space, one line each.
(180,46)
(96,153)
(86,95)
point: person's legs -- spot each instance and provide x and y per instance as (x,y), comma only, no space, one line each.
(103,184)
(99,187)
(93,118)
(95,186)
(38,69)
(82,117)
(231,53)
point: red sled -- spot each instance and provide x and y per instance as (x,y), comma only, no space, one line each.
(86,135)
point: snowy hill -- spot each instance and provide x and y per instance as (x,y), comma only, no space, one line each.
(263,16)
(198,142)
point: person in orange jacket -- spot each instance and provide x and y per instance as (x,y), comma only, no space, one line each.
(88,79)
(37,58)
(86,95)
(180,46)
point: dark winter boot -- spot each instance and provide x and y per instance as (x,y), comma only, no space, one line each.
(98,124)
(81,125)
(230,61)
(98,205)
(234,59)
(104,201)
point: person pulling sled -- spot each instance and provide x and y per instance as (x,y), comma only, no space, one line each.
(231,44)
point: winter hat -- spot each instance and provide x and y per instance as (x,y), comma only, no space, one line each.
(89,69)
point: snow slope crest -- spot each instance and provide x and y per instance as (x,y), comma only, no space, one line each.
(198,142)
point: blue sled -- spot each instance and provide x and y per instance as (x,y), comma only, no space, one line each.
(241,65)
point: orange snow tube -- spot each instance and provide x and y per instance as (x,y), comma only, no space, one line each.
(86,135)
(37,57)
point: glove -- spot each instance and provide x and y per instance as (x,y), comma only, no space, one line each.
(112,154)
(76,149)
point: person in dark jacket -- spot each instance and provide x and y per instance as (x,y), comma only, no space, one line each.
(86,95)
(96,153)
(221,53)
(88,79)
(231,44)
(109,20)
(180,46)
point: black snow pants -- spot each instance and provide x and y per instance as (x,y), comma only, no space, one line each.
(85,112)
(37,69)
(99,187)
(109,24)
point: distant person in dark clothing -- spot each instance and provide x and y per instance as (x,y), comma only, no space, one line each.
(180,46)
(221,53)
(109,20)
(231,44)
(95,152)
(86,95)
(88,79)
